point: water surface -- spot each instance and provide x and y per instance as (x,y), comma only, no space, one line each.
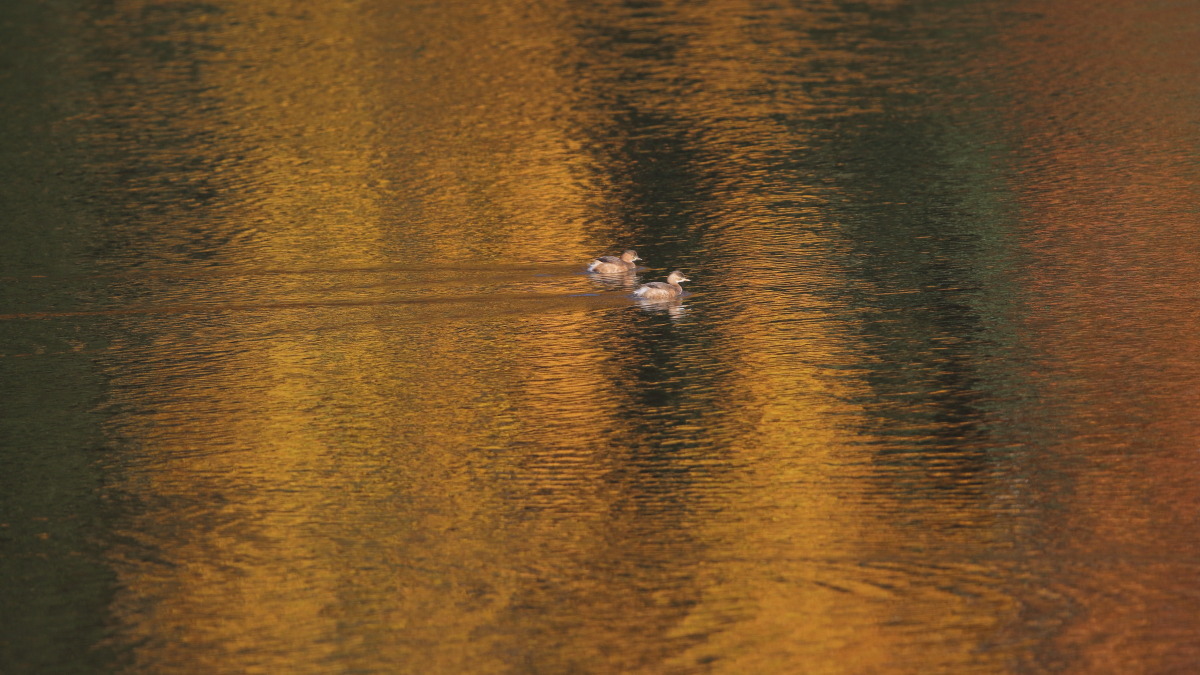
(302,371)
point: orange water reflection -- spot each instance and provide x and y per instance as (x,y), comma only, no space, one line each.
(1108,195)
(387,425)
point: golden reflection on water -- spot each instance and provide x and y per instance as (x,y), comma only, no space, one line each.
(558,488)
(372,416)
(1110,205)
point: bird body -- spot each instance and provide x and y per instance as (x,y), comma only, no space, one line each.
(609,264)
(657,290)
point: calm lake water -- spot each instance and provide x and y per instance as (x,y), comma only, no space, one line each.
(302,372)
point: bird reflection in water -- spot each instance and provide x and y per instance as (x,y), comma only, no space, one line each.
(673,308)
(616,281)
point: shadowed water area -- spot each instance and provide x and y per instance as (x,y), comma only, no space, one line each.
(302,372)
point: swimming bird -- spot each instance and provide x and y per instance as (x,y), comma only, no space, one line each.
(611,263)
(657,290)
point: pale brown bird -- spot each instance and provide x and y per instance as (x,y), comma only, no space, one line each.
(609,263)
(657,290)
